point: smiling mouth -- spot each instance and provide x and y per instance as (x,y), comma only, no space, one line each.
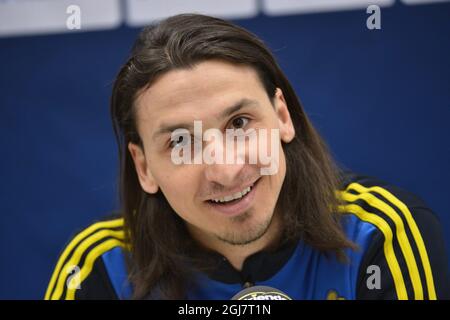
(235,198)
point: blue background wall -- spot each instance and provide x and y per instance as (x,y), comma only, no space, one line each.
(380,98)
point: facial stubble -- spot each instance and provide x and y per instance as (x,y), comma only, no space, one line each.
(245,237)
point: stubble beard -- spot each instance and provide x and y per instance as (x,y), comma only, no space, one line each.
(244,236)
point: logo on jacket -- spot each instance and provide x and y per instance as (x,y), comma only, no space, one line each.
(333,295)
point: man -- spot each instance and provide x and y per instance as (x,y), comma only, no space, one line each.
(207,229)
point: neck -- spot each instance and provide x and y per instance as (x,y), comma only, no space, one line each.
(236,254)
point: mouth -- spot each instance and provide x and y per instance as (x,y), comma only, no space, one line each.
(235,204)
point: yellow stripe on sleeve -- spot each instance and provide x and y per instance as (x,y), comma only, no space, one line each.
(416,235)
(388,248)
(90,260)
(76,257)
(75,241)
(402,238)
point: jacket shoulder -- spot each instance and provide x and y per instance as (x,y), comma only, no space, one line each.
(80,273)
(405,240)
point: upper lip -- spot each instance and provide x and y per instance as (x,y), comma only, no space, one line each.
(232,191)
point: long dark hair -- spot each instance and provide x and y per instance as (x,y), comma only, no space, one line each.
(161,249)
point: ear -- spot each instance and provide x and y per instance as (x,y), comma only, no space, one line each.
(146,179)
(287,130)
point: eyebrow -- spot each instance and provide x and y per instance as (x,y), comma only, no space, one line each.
(168,128)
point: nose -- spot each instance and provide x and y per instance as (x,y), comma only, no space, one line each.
(226,175)
(227,170)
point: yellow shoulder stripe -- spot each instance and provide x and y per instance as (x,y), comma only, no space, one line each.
(416,235)
(388,248)
(83,237)
(402,238)
(89,262)
(400,233)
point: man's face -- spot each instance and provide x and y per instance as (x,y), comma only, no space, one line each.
(208,93)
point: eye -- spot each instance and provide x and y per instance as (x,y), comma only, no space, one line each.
(239,122)
(179,141)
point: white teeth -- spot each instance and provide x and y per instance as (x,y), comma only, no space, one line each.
(228,198)
(235,196)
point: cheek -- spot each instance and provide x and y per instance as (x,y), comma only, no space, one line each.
(179,186)
(276,180)
(266,148)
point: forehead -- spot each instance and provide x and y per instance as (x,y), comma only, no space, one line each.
(197,93)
